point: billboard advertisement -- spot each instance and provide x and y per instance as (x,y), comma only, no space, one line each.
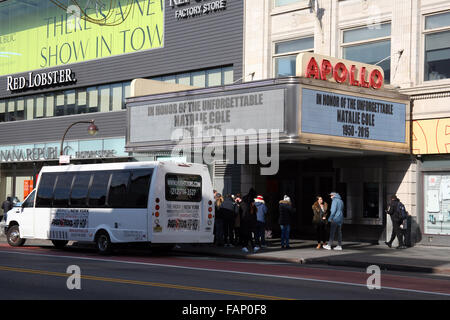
(39,34)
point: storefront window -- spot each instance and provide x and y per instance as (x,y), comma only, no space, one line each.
(437,203)
(369,45)
(437,47)
(286,55)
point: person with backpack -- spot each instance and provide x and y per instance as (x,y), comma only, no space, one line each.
(398,215)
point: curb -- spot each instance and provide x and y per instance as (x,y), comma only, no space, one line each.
(328,261)
(365,264)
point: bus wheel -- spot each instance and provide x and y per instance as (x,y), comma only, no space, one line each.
(13,237)
(60,243)
(103,242)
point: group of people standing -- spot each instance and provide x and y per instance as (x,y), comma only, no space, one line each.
(240,221)
(243,221)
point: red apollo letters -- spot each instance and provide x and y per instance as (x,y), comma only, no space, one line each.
(342,74)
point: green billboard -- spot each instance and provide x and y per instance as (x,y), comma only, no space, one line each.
(39,34)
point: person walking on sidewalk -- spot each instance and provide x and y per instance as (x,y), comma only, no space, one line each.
(337,219)
(397,221)
(284,220)
(320,209)
(261,211)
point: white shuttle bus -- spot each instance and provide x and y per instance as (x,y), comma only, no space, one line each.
(130,202)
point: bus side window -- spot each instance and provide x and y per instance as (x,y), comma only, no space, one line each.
(45,190)
(62,190)
(117,196)
(138,189)
(98,189)
(78,196)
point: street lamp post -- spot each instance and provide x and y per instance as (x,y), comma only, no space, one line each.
(92,130)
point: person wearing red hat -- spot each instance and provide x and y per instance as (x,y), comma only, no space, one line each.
(260,221)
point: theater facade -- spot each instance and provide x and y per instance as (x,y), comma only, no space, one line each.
(333,127)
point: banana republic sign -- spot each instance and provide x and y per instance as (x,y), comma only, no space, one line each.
(40,80)
(50,153)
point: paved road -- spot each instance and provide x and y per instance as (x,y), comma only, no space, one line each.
(41,273)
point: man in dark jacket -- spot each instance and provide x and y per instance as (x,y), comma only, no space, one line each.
(248,220)
(6,206)
(397,220)
(284,220)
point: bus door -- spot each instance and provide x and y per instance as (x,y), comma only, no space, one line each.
(26,212)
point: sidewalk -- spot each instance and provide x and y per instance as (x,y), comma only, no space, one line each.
(361,255)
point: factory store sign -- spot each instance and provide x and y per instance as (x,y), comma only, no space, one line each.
(185,9)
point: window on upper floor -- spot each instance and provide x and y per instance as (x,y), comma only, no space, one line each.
(285,55)
(437,46)
(371,45)
(279,3)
